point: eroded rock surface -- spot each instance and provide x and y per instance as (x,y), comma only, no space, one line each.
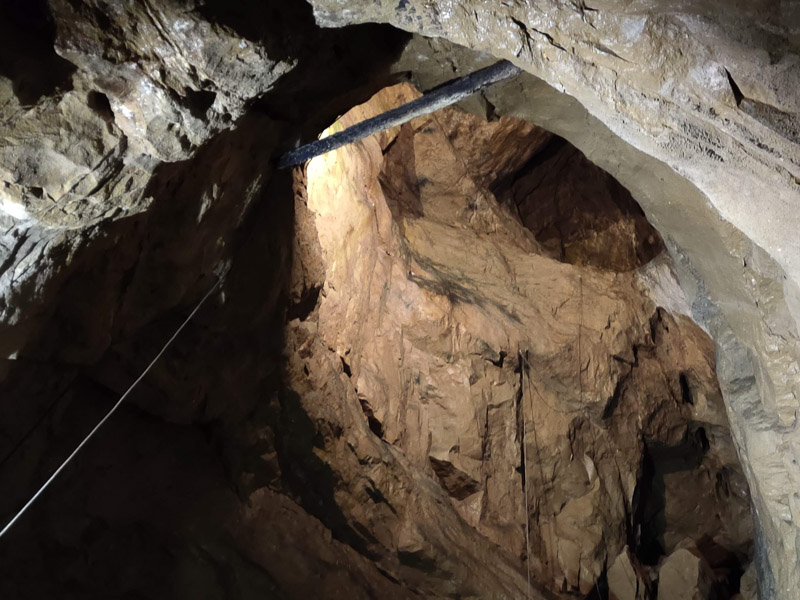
(684,575)
(504,373)
(626,579)
(708,91)
(580,213)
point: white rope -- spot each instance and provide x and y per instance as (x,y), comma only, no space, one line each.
(110,412)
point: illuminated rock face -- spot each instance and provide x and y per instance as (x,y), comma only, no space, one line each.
(501,371)
(428,343)
(693,109)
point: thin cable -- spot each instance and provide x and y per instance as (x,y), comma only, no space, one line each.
(110,412)
(525,486)
(548,506)
(580,332)
(591,424)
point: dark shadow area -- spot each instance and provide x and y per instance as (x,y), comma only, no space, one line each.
(399,180)
(726,564)
(649,523)
(132,515)
(577,211)
(307,477)
(458,484)
(600,591)
(279,26)
(305,305)
(336,70)
(27,57)
(661,460)
(128,517)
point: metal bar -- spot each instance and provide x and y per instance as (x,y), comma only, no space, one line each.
(442,96)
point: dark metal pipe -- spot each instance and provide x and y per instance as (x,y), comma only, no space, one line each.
(444,95)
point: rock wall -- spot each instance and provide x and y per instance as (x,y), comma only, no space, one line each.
(692,107)
(515,380)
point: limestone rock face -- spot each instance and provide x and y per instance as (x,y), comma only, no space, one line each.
(147,85)
(693,108)
(684,576)
(173,78)
(626,579)
(150,85)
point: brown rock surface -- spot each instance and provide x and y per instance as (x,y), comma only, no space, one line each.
(459,336)
(692,107)
(626,579)
(580,213)
(684,575)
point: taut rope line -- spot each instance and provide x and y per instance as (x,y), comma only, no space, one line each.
(114,408)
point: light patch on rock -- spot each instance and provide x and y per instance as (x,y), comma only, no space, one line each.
(181,25)
(684,575)
(711,76)
(660,283)
(632,28)
(626,579)
(591,470)
(126,112)
(14,209)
